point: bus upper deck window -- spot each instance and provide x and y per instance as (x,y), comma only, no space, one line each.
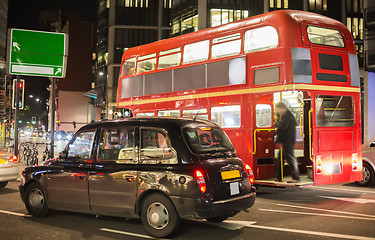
(260,39)
(128,67)
(196,52)
(146,63)
(226,46)
(169,58)
(325,36)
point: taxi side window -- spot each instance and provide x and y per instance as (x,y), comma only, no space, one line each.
(156,147)
(118,144)
(81,146)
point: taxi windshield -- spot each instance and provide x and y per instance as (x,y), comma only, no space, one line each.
(207,140)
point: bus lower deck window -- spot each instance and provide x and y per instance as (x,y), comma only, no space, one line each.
(334,111)
(227,116)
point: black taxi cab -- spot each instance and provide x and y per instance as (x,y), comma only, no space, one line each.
(160,170)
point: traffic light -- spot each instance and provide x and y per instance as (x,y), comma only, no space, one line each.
(21,87)
(33,120)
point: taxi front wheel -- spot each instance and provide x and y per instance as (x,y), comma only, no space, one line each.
(35,200)
(159,216)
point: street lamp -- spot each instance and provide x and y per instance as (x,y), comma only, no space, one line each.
(31,96)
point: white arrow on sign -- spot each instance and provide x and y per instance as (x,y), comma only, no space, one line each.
(16,45)
(58,71)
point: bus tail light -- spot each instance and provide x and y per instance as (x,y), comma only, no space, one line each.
(250,173)
(355,162)
(13,159)
(201,181)
(318,163)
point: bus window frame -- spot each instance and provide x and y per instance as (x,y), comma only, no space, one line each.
(326,27)
(315,117)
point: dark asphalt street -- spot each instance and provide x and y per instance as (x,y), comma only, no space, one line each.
(325,212)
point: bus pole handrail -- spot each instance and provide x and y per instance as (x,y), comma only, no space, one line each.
(300,119)
(310,134)
(255,136)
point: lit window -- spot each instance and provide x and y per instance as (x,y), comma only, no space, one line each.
(145,114)
(196,52)
(261,39)
(147,56)
(227,116)
(263,115)
(128,67)
(334,111)
(146,63)
(169,60)
(226,49)
(169,113)
(325,36)
(190,23)
(174,50)
(199,113)
(216,17)
(272,4)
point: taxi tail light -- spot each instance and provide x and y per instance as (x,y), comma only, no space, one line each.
(13,158)
(201,181)
(318,163)
(354,162)
(250,173)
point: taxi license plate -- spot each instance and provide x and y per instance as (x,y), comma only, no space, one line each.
(2,161)
(230,174)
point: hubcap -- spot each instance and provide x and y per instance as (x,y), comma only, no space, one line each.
(157,215)
(366,175)
(36,199)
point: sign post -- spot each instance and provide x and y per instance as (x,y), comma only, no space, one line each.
(36,53)
(17,96)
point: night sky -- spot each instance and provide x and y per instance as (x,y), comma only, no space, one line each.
(24,14)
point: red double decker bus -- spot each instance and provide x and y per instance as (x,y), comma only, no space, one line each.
(235,73)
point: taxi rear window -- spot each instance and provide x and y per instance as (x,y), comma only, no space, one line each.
(207,139)
(325,36)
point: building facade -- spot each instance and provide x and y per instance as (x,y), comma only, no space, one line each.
(192,15)
(122,24)
(4,111)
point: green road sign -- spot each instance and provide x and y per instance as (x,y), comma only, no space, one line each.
(36,53)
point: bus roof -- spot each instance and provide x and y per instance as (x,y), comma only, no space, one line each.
(285,21)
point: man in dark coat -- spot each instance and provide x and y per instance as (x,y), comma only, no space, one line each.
(286,136)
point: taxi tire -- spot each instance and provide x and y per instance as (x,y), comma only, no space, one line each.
(371,177)
(3,184)
(34,188)
(174,221)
